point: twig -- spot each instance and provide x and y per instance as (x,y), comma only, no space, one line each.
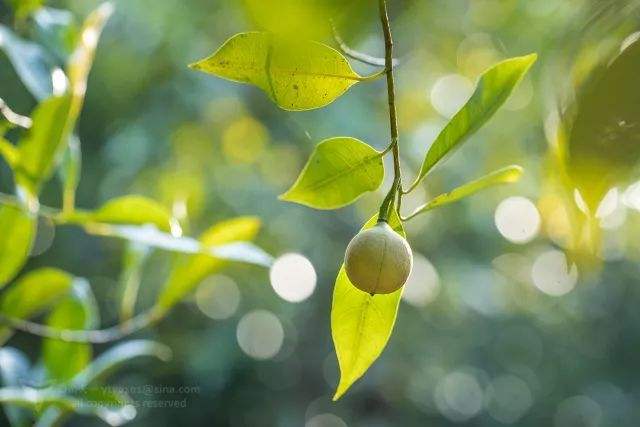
(98,336)
(13,117)
(396,188)
(357,55)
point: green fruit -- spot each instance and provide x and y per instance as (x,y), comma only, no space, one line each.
(378,260)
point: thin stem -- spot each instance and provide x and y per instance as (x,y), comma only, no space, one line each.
(355,54)
(13,117)
(396,188)
(98,336)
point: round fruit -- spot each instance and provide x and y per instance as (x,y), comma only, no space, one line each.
(378,260)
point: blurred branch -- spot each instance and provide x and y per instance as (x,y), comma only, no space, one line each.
(98,336)
(13,117)
(357,55)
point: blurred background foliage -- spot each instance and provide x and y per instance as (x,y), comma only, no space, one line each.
(497,325)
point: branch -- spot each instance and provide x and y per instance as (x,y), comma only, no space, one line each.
(13,117)
(396,188)
(357,55)
(98,336)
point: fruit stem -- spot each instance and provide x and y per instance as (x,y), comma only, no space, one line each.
(396,189)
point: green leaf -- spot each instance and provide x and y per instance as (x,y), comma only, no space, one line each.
(17,229)
(129,210)
(361,324)
(55,118)
(63,360)
(492,90)
(43,144)
(14,371)
(69,173)
(297,75)
(338,172)
(24,8)
(9,152)
(189,271)
(506,175)
(33,293)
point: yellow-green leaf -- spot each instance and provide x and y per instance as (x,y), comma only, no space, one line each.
(43,144)
(492,90)
(506,175)
(338,172)
(17,231)
(297,75)
(129,210)
(189,271)
(361,324)
(32,293)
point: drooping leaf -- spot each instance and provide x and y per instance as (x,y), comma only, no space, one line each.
(189,271)
(361,324)
(492,90)
(129,210)
(32,64)
(338,172)
(14,371)
(505,175)
(603,147)
(62,359)
(112,408)
(17,231)
(33,293)
(297,75)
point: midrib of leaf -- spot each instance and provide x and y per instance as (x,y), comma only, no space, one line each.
(352,169)
(356,78)
(360,331)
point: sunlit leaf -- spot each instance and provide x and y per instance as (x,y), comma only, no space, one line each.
(43,144)
(32,64)
(24,8)
(33,293)
(299,75)
(9,152)
(14,371)
(110,407)
(338,172)
(63,360)
(361,324)
(17,229)
(129,210)
(188,272)
(505,175)
(492,90)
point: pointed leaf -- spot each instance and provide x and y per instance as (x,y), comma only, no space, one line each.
(188,272)
(361,324)
(300,75)
(506,175)
(338,172)
(492,90)
(17,229)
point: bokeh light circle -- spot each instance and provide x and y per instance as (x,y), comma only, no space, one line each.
(293,277)
(552,275)
(218,297)
(423,284)
(517,219)
(260,334)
